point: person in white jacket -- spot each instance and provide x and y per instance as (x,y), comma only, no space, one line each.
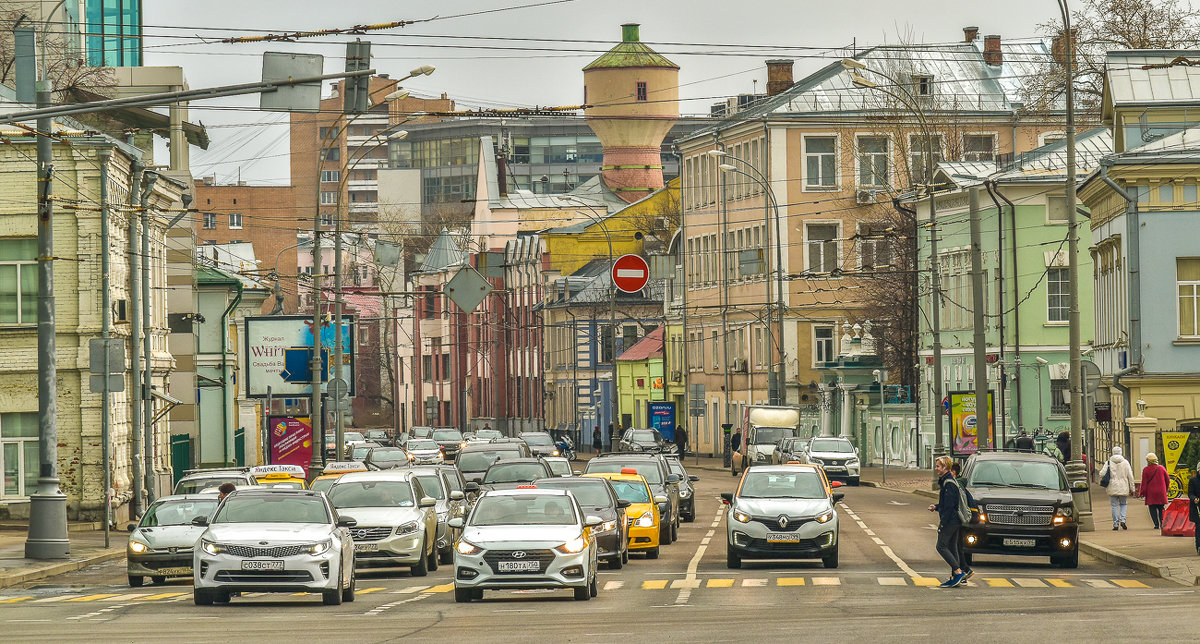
(1120,486)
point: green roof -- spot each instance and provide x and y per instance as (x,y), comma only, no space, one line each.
(631,52)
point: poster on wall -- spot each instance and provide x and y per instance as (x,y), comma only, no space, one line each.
(279,355)
(662,418)
(291,441)
(965,424)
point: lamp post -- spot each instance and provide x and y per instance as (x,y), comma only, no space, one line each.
(1041,362)
(775,375)
(612,313)
(880,377)
(911,103)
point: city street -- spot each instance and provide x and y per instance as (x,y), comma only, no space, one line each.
(883,589)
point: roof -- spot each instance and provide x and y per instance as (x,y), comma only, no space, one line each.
(140,117)
(630,52)
(1049,162)
(443,254)
(235,259)
(1128,82)
(1184,143)
(648,347)
(211,275)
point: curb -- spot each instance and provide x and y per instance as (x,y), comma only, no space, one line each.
(1112,556)
(49,570)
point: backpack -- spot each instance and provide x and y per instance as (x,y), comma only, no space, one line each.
(1107,477)
(966,515)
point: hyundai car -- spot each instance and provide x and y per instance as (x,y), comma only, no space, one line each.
(597,496)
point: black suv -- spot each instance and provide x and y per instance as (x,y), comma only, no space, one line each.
(450,440)
(652,467)
(1025,508)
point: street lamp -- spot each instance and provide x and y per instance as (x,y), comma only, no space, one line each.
(775,375)
(880,376)
(1041,362)
(908,100)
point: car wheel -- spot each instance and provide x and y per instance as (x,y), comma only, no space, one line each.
(136,581)
(731,559)
(625,556)
(202,597)
(664,535)
(1068,561)
(332,597)
(594,587)
(854,481)
(421,568)
(652,553)
(615,563)
(222,596)
(675,532)
(446,558)
(463,595)
(831,560)
(433,560)
(583,593)
(158,579)
(348,592)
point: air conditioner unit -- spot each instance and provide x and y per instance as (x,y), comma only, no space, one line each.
(739,365)
(864,196)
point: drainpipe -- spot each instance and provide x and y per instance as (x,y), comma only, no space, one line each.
(226,412)
(149,449)
(1134,260)
(1012,214)
(990,185)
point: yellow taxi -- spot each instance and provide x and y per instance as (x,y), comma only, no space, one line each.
(642,513)
(333,471)
(286,476)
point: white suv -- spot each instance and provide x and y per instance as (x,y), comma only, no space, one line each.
(837,456)
(396,520)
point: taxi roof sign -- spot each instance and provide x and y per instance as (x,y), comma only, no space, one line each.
(628,470)
(263,470)
(341,467)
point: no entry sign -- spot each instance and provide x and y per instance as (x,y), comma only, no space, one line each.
(630,273)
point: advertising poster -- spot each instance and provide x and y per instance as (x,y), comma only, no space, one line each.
(662,418)
(965,424)
(291,441)
(279,352)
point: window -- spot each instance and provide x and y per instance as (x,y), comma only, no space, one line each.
(19,453)
(1056,209)
(641,90)
(1060,405)
(327,133)
(821,242)
(364,336)
(427,368)
(918,147)
(1057,294)
(1188,282)
(18,283)
(922,85)
(210,220)
(874,245)
(329,198)
(331,176)
(823,344)
(1048,138)
(235,220)
(331,154)
(760,347)
(326,219)
(716,358)
(820,162)
(1166,193)
(979,147)
(873,162)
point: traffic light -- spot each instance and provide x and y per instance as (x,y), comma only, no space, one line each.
(358,88)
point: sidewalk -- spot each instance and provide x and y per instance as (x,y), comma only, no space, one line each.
(87,548)
(1141,546)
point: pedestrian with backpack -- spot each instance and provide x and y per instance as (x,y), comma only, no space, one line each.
(1120,485)
(950,507)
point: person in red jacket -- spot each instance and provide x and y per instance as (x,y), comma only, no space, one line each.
(1154,488)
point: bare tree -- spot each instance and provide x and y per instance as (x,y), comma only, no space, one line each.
(64,63)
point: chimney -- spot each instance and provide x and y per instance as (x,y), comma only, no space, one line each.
(970,33)
(1058,46)
(629,32)
(779,75)
(334,90)
(991,50)
(501,175)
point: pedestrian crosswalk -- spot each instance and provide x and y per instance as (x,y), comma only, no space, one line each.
(790,582)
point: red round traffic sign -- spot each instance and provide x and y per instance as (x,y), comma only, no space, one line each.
(630,273)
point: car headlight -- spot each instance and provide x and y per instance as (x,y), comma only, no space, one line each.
(319,547)
(554,453)
(573,546)
(645,521)
(683,494)
(408,528)
(462,445)
(1064,512)
(741,517)
(825,518)
(607,526)
(137,547)
(853,461)
(464,547)
(816,461)
(211,547)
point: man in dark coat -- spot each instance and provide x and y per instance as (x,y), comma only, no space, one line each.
(681,439)
(1063,442)
(1194,503)
(1024,442)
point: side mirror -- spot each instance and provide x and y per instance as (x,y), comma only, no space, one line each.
(133,526)
(456,522)
(727,498)
(693,478)
(661,499)
(346,522)
(623,503)
(457,496)
(196,521)
(838,496)
(427,502)
(1080,486)
(836,484)
(471,486)
(672,478)
(592,521)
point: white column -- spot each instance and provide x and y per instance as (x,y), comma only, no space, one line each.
(826,409)
(847,409)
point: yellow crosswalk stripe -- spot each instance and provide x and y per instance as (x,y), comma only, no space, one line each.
(88,598)
(444,588)
(654,584)
(719,583)
(13,600)
(158,596)
(364,591)
(1060,583)
(926,581)
(998,582)
(790,581)
(1129,583)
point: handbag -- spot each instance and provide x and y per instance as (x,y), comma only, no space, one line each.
(1106,478)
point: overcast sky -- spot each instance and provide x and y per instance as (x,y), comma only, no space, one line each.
(530,52)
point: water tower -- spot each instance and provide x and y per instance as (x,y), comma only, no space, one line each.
(632,93)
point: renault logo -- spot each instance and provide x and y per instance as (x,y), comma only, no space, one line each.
(518,554)
(783,521)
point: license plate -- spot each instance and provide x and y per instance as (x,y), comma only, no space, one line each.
(782,537)
(835,468)
(366,547)
(1020,543)
(254,564)
(172,572)
(519,566)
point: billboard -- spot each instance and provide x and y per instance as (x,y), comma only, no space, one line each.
(662,418)
(964,423)
(291,441)
(279,352)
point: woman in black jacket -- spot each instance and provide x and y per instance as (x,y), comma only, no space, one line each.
(949,544)
(1194,505)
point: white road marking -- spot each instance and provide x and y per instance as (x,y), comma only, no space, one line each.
(410,590)
(861,525)
(690,581)
(883,546)
(869,532)
(379,609)
(892,581)
(754,583)
(1029,583)
(896,503)
(827,581)
(705,541)
(613,585)
(1097,583)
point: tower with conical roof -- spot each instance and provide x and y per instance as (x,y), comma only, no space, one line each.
(632,97)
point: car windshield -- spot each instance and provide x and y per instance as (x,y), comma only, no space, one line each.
(371,494)
(387,455)
(632,491)
(432,485)
(541,440)
(447,435)
(832,446)
(421,443)
(476,461)
(649,471)
(176,512)
(589,495)
(559,467)
(644,436)
(514,473)
(1017,474)
(360,452)
(322,485)
(272,508)
(771,435)
(531,509)
(794,444)
(488,434)
(191,486)
(776,485)
(350,437)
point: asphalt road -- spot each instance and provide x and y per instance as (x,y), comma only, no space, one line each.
(879,591)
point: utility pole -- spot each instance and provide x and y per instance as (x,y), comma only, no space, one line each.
(105,155)
(983,408)
(723,210)
(148,180)
(135,347)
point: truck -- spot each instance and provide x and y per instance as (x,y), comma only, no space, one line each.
(762,427)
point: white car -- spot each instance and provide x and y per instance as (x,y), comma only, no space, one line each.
(194,481)
(782,512)
(274,540)
(396,520)
(837,456)
(424,451)
(526,537)
(160,545)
